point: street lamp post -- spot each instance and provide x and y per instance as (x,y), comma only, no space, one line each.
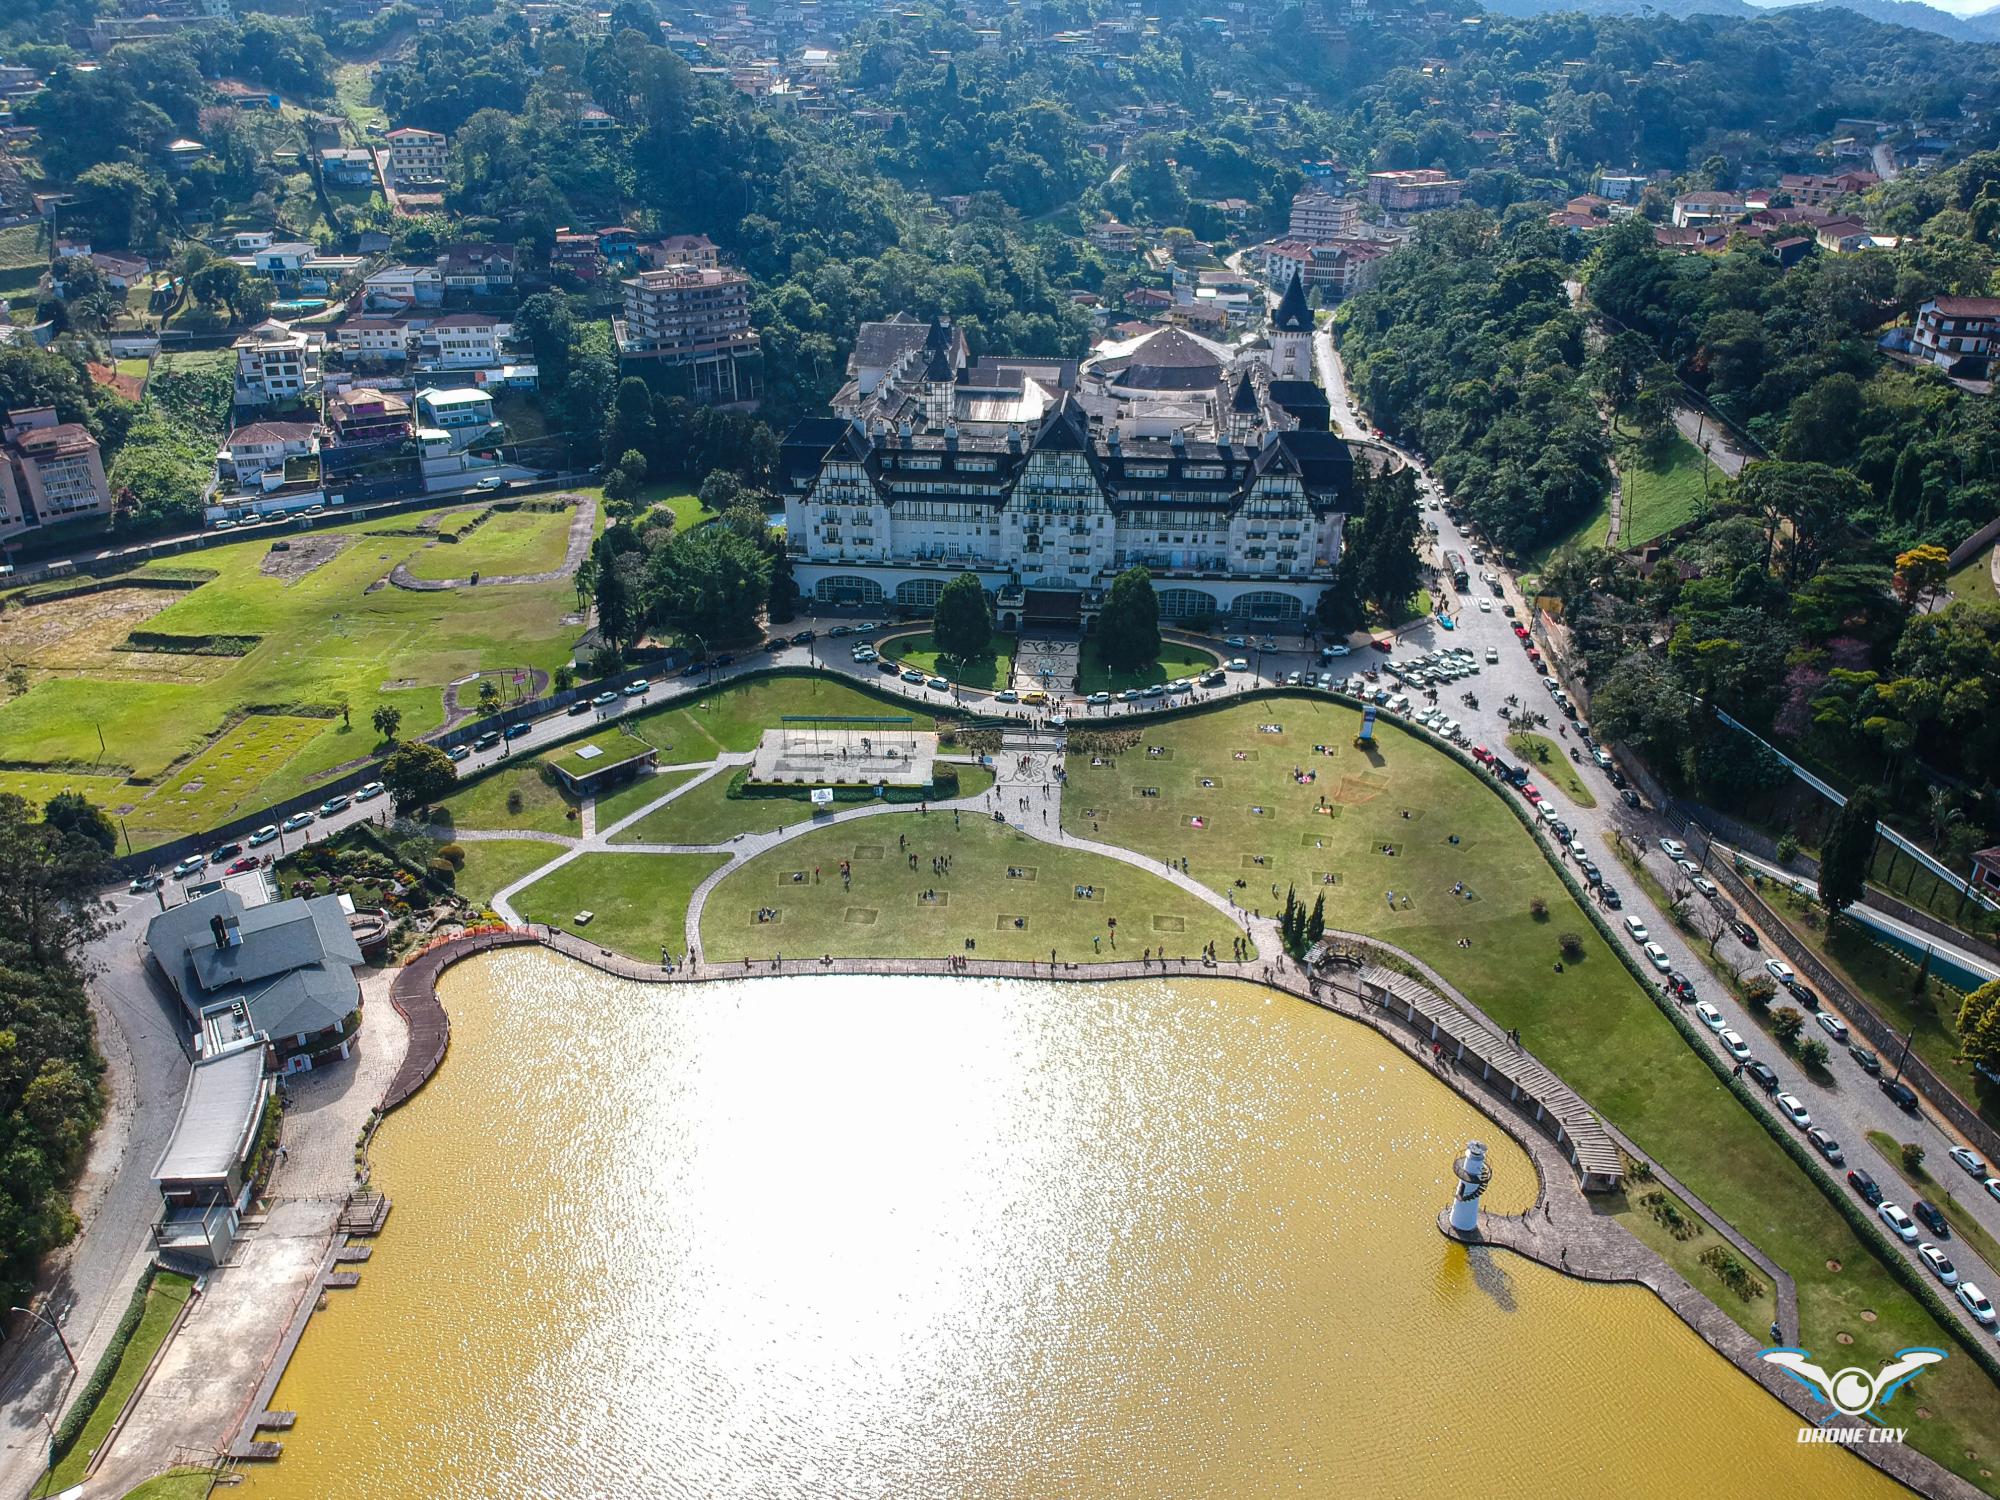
(50,1324)
(1903,1056)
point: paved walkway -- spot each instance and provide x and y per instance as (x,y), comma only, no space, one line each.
(580,527)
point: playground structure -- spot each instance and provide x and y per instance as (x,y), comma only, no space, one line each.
(868,750)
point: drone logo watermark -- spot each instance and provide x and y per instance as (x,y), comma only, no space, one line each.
(1852,1392)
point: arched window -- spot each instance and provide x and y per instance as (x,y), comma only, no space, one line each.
(847,589)
(1264,605)
(1186,604)
(919,593)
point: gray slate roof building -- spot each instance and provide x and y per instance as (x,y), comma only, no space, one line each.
(291,962)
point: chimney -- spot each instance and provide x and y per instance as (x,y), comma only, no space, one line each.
(216,929)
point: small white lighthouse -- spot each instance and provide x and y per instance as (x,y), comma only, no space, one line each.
(1473,1174)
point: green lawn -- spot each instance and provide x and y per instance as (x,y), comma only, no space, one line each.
(993,670)
(735,716)
(21,245)
(507,542)
(629,798)
(173,724)
(639,900)
(1663,489)
(1175,660)
(886,913)
(1974,582)
(1549,762)
(707,814)
(1631,1207)
(1591,1023)
(163,1304)
(491,865)
(523,795)
(353,86)
(183,1484)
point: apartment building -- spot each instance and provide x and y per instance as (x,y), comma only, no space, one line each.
(417,155)
(49,471)
(1318,215)
(692,317)
(1957,334)
(276,364)
(1414,191)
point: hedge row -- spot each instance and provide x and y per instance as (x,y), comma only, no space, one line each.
(71,1427)
(190,645)
(942,787)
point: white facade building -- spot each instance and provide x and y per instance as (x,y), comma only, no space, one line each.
(276,364)
(1047,479)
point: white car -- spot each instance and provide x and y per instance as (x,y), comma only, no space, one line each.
(1967,1160)
(1602,757)
(1992,1186)
(263,836)
(1710,1016)
(1779,970)
(1734,1045)
(1657,957)
(1339,649)
(1006,695)
(1486,606)
(1976,1303)
(1636,929)
(1706,886)
(1576,847)
(1831,1024)
(1900,1224)
(1939,1263)
(1673,848)
(370,792)
(1492,655)
(1794,1110)
(1238,664)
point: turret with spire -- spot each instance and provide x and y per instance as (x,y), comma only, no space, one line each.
(1291,334)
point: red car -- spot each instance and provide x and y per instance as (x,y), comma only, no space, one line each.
(1521,632)
(1481,754)
(1531,792)
(248,862)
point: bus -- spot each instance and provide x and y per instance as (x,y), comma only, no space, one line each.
(1455,565)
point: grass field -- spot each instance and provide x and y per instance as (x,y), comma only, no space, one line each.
(196,736)
(1663,489)
(1591,1023)
(1683,1251)
(735,716)
(993,670)
(163,1304)
(976,907)
(1974,582)
(491,865)
(524,795)
(353,84)
(1175,660)
(507,542)
(1550,764)
(707,814)
(639,900)
(629,798)
(183,1484)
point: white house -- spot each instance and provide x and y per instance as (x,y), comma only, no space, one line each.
(258,448)
(275,363)
(461,341)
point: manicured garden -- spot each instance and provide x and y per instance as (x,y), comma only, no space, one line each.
(1175,660)
(988,672)
(1405,835)
(638,901)
(1005,896)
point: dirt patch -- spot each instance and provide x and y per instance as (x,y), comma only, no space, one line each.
(79,632)
(302,554)
(1354,790)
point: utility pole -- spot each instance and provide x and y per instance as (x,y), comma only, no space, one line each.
(50,1324)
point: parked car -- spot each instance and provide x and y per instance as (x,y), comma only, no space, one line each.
(1900,1094)
(1006,695)
(1825,1144)
(1734,1045)
(1098,700)
(1608,894)
(1939,1263)
(141,884)
(265,835)
(1745,933)
(297,821)
(1673,848)
(1804,994)
(1899,1222)
(1779,970)
(911,674)
(1832,1025)
(334,805)
(1967,1160)
(805,638)
(1992,1186)
(1863,1184)
(224,851)
(642,687)
(1679,985)
(1636,930)
(1794,1110)
(1975,1303)
(1867,1061)
(487,740)
(458,753)
(1761,1073)
(581,706)
(883,664)
(1657,957)
(1931,1219)
(604,699)
(1709,1016)
(515,731)
(243,866)
(1631,799)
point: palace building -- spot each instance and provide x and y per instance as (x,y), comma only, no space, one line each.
(1048,477)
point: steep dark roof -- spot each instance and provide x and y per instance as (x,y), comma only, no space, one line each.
(1063,430)
(1293,316)
(879,345)
(1245,399)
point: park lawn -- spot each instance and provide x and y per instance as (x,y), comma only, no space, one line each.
(707,814)
(735,715)
(994,669)
(1416,607)
(319,640)
(1663,489)
(169,1290)
(546,805)
(1175,660)
(136,368)
(508,542)
(622,802)
(639,900)
(491,865)
(1550,763)
(1629,1206)
(1592,1024)
(885,914)
(1974,582)
(182,1484)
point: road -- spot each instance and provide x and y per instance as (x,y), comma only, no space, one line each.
(1712,438)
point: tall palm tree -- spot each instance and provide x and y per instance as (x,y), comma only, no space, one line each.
(1942,814)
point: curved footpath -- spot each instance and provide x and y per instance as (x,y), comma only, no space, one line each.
(1560,1230)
